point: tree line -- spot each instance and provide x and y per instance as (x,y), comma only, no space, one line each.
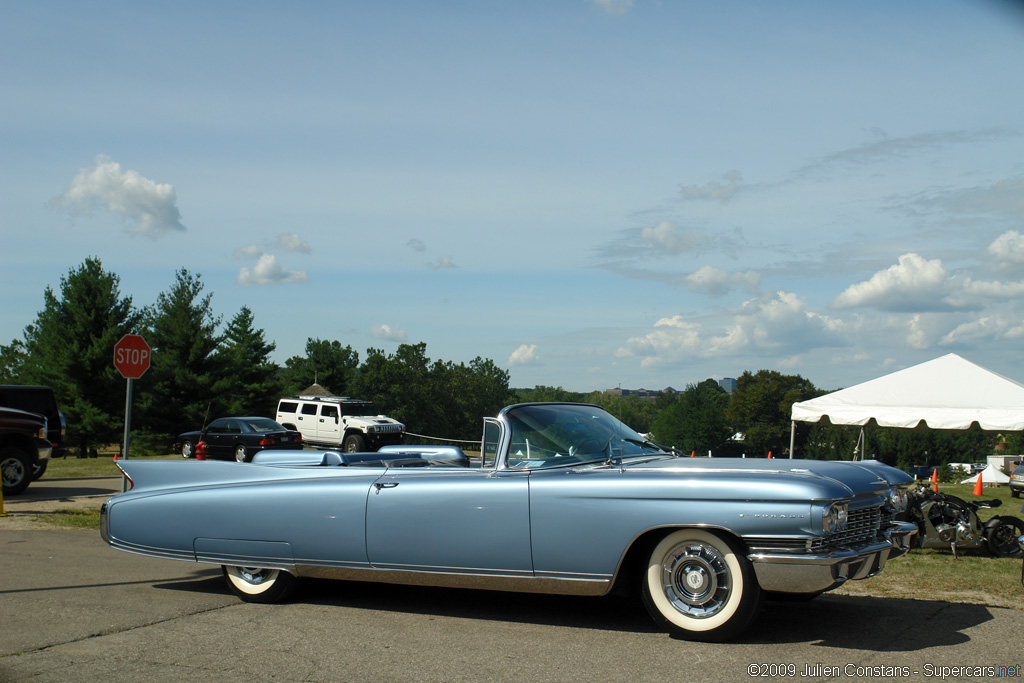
(203,368)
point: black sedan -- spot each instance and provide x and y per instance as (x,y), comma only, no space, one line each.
(238,437)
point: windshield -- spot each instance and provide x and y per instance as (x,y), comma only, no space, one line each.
(359,409)
(556,435)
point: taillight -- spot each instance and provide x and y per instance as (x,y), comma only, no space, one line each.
(268,441)
(298,438)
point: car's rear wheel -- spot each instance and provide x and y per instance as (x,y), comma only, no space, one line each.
(240,455)
(697,585)
(15,470)
(186,449)
(1001,538)
(253,584)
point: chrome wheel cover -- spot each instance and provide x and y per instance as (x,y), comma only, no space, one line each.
(240,454)
(695,579)
(255,576)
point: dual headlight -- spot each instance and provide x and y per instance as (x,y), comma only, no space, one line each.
(897,499)
(833,517)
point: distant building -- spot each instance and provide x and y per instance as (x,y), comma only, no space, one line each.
(640,393)
(727,383)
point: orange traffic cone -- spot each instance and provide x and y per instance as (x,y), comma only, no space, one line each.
(693,454)
(935,479)
(977,486)
(769,455)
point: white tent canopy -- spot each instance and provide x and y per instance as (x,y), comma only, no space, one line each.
(945,393)
(989,475)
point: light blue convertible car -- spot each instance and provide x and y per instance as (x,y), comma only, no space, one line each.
(565,499)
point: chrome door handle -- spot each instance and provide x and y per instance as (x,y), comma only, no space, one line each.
(385,485)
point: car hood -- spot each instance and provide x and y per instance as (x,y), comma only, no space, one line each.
(869,476)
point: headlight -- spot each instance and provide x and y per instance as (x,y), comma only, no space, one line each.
(898,499)
(833,518)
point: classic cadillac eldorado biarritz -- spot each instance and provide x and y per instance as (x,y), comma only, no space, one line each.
(564,499)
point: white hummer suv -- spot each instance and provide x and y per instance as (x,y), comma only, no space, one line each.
(349,424)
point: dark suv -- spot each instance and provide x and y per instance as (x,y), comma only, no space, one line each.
(23,445)
(1017,481)
(38,400)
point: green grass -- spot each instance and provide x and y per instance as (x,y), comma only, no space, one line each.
(81,468)
(71,519)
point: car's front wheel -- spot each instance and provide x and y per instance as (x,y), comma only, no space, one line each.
(15,470)
(354,443)
(240,455)
(266,586)
(698,586)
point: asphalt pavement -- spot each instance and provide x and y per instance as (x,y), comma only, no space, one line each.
(74,609)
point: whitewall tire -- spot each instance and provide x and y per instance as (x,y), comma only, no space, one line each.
(253,584)
(698,585)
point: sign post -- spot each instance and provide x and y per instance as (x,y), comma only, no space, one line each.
(131,358)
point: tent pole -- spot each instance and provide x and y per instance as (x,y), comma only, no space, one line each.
(792,437)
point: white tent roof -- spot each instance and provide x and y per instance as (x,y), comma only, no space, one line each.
(989,475)
(946,393)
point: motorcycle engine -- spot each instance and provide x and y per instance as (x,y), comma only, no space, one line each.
(946,532)
(964,534)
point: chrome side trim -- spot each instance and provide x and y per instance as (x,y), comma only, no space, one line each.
(517,583)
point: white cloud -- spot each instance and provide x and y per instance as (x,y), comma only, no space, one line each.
(668,237)
(776,322)
(524,355)
(914,284)
(148,208)
(715,190)
(269,271)
(292,242)
(416,245)
(1007,250)
(716,282)
(250,252)
(388,333)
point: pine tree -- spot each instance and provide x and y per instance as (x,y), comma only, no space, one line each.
(70,348)
(253,382)
(185,380)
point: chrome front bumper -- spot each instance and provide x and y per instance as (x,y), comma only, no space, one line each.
(798,573)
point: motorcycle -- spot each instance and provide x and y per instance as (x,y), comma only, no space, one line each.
(1020,542)
(945,521)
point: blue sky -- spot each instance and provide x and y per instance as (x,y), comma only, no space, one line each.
(591,193)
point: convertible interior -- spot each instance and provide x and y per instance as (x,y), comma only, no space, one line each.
(388,456)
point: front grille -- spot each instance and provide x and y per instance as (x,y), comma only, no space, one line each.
(387,428)
(861,527)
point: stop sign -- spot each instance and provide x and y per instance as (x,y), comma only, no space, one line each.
(131,356)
